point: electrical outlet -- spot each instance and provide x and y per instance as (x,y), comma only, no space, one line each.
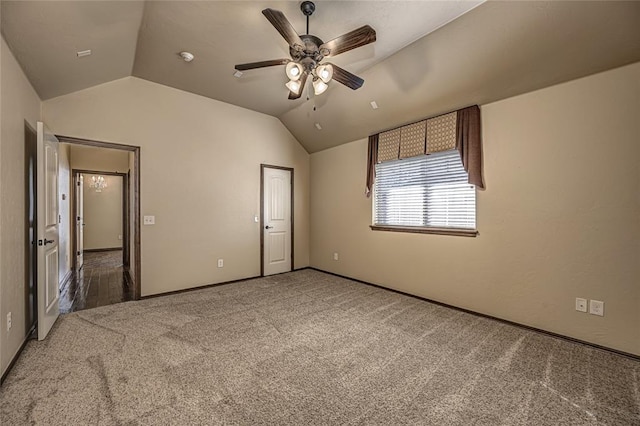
(220,263)
(149,220)
(581,304)
(9,321)
(335,256)
(596,307)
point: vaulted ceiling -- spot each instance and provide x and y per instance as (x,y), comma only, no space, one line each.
(430,56)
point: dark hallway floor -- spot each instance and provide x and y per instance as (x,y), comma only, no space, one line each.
(101,281)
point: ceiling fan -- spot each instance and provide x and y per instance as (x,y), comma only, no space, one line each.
(307,52)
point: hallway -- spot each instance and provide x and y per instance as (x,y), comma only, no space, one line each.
(101,281)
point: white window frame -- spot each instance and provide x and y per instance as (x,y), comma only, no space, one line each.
(416,220)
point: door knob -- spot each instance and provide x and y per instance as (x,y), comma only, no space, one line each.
(44,242)
(268,227)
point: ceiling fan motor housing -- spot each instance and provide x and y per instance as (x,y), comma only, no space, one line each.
(310,54)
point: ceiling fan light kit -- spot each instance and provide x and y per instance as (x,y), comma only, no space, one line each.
(308,51)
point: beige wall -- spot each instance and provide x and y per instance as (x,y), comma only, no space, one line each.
(19,103)
(558,220)
(64,204)
(103,214)
(200,176)
(99,159)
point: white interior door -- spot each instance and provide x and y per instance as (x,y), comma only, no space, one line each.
(47,212)
(79,221)
(277,221)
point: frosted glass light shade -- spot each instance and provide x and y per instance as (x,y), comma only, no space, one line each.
(294,86)
(319,86)
(294,71)
(325,72)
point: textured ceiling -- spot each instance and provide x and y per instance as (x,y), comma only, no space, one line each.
(44,36)
(430,56)
(498,50)
(222,34)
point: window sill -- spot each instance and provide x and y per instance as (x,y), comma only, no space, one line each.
(458,232)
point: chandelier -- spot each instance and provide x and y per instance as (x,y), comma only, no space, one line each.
(98,182)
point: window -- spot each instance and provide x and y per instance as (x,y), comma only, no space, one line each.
(428,191)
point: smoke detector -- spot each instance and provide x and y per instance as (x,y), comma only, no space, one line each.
(187,56)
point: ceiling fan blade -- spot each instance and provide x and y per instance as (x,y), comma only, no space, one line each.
(351,40)
(303,81)
(343,76)
(284,27)
(262,64)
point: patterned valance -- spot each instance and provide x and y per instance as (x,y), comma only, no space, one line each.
(389,145)
(441,132)
(455,130)
(424,137)
(412,139)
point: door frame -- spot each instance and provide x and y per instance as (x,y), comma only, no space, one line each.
(270,166)
(126,211)
(136,247)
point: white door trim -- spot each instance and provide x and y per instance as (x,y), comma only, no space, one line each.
(262,224)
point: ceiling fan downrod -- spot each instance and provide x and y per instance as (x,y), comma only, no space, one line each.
(307,8)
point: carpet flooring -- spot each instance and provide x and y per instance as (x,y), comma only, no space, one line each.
(309,348)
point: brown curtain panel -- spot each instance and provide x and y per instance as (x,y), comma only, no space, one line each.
(469,143)
(372,160)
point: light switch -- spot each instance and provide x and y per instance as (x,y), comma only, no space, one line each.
(149,220)
(596,307)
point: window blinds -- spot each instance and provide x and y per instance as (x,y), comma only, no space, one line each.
(425,191)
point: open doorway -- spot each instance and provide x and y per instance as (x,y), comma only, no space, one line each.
(100,241)
(101,253)
(101,212)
